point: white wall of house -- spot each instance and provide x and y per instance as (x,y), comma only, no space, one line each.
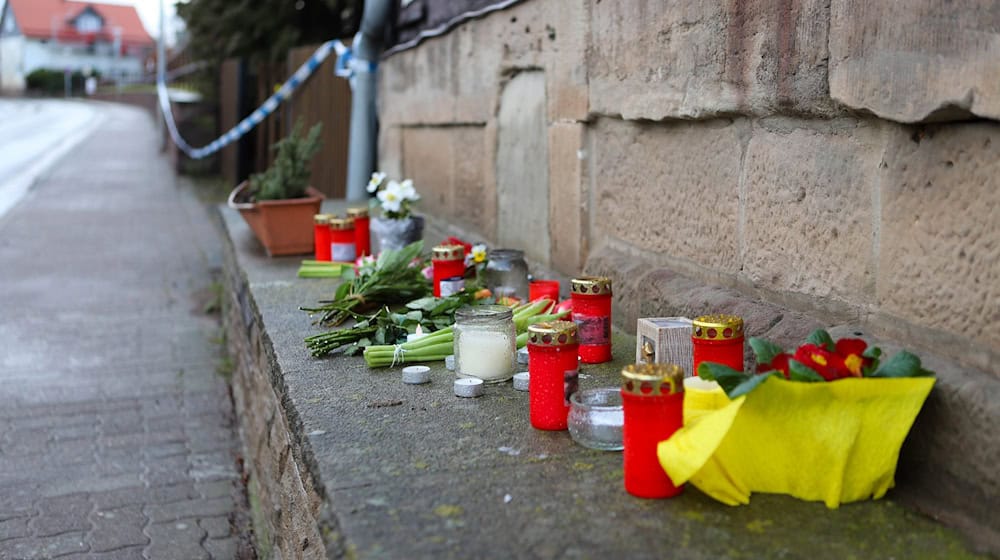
(60,56)
(12,63)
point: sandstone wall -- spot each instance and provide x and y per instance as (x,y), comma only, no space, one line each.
(837,157)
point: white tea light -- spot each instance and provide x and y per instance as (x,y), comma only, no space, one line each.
(468,387)
(416,335)
(522,356)
(521,381)
(416,375)
(449,362)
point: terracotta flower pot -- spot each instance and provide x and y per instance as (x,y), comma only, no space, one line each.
(284,227)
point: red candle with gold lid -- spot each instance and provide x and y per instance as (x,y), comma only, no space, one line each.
(362,235)
(717,338)
(653,406)
(553,373)
(321,236)
(448,264)
(592,314)
(342,247)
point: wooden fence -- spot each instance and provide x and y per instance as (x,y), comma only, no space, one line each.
(324,98)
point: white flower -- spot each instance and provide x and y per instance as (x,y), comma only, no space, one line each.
(375,181)
(407,191)
(391,197)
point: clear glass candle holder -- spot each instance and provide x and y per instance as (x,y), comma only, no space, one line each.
(596,418)
(507,274)
(485,343)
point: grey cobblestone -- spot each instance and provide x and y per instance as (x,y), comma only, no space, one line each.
(98,432)
(180,540)
(117,528)
(221,549)
(216,527)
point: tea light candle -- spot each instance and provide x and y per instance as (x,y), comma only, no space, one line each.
(416,375)
(521,381)
(468,387)
(416,335)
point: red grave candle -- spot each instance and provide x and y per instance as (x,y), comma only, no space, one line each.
(321,236)
(342,240)
(362,235)
(538,289)
(553,373)
(448,263)
(653,406)
(717,338)
(592,315)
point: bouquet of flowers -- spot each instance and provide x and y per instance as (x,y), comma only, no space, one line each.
(823,423)
(397,227)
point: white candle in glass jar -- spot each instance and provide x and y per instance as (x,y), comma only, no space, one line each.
(485,355)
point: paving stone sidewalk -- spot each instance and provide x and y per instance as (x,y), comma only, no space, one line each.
(118,437)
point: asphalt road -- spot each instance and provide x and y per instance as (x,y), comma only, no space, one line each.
(34,134)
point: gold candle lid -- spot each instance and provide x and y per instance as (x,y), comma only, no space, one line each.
(717,327)
(448,253)
(322,219)
(553,333)
(591,285)
(652,380)
(340,224)
(357,212)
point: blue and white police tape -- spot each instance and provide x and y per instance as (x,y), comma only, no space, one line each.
(345,67)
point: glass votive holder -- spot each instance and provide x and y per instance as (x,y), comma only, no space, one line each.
(485,343)
(596,418)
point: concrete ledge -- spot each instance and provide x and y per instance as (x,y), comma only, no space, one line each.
(349,462)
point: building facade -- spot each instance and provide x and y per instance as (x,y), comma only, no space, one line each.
(65,35)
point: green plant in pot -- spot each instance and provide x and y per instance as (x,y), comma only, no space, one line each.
(278,204)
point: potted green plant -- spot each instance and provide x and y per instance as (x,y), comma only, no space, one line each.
(279,204)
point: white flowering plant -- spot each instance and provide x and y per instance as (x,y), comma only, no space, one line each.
(395,197)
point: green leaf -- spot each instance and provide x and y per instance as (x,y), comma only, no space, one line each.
(426,303)
(342,291)
(750,384)
(765,350)
(903,364)
(820,337)
(797,371)
(727,377)
(415,316)
(873,352)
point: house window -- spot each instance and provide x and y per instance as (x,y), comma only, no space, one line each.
(88,23)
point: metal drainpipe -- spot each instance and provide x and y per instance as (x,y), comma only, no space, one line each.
(367,48)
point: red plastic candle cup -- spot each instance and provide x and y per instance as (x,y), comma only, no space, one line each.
(448,264)
(553,373)
(342,247)
(538,289)
(719,339)
(592,315)
(362,235)
(321,236)
(653,406)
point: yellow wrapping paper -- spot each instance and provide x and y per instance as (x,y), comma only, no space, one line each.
(834,442)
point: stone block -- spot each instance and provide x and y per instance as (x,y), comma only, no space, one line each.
(916,61)
(427,159)
(390,150)
(567,201)
(650,60)
(448,166)
(522,161)
(670,189)
(808,208)
(939,254)
(452,79)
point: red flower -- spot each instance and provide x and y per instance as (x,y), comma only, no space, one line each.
(828,364)
(778,363)
(852,350)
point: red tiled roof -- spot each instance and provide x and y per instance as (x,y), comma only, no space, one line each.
(41,18)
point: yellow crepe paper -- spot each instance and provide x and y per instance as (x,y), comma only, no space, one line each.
(834,442)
